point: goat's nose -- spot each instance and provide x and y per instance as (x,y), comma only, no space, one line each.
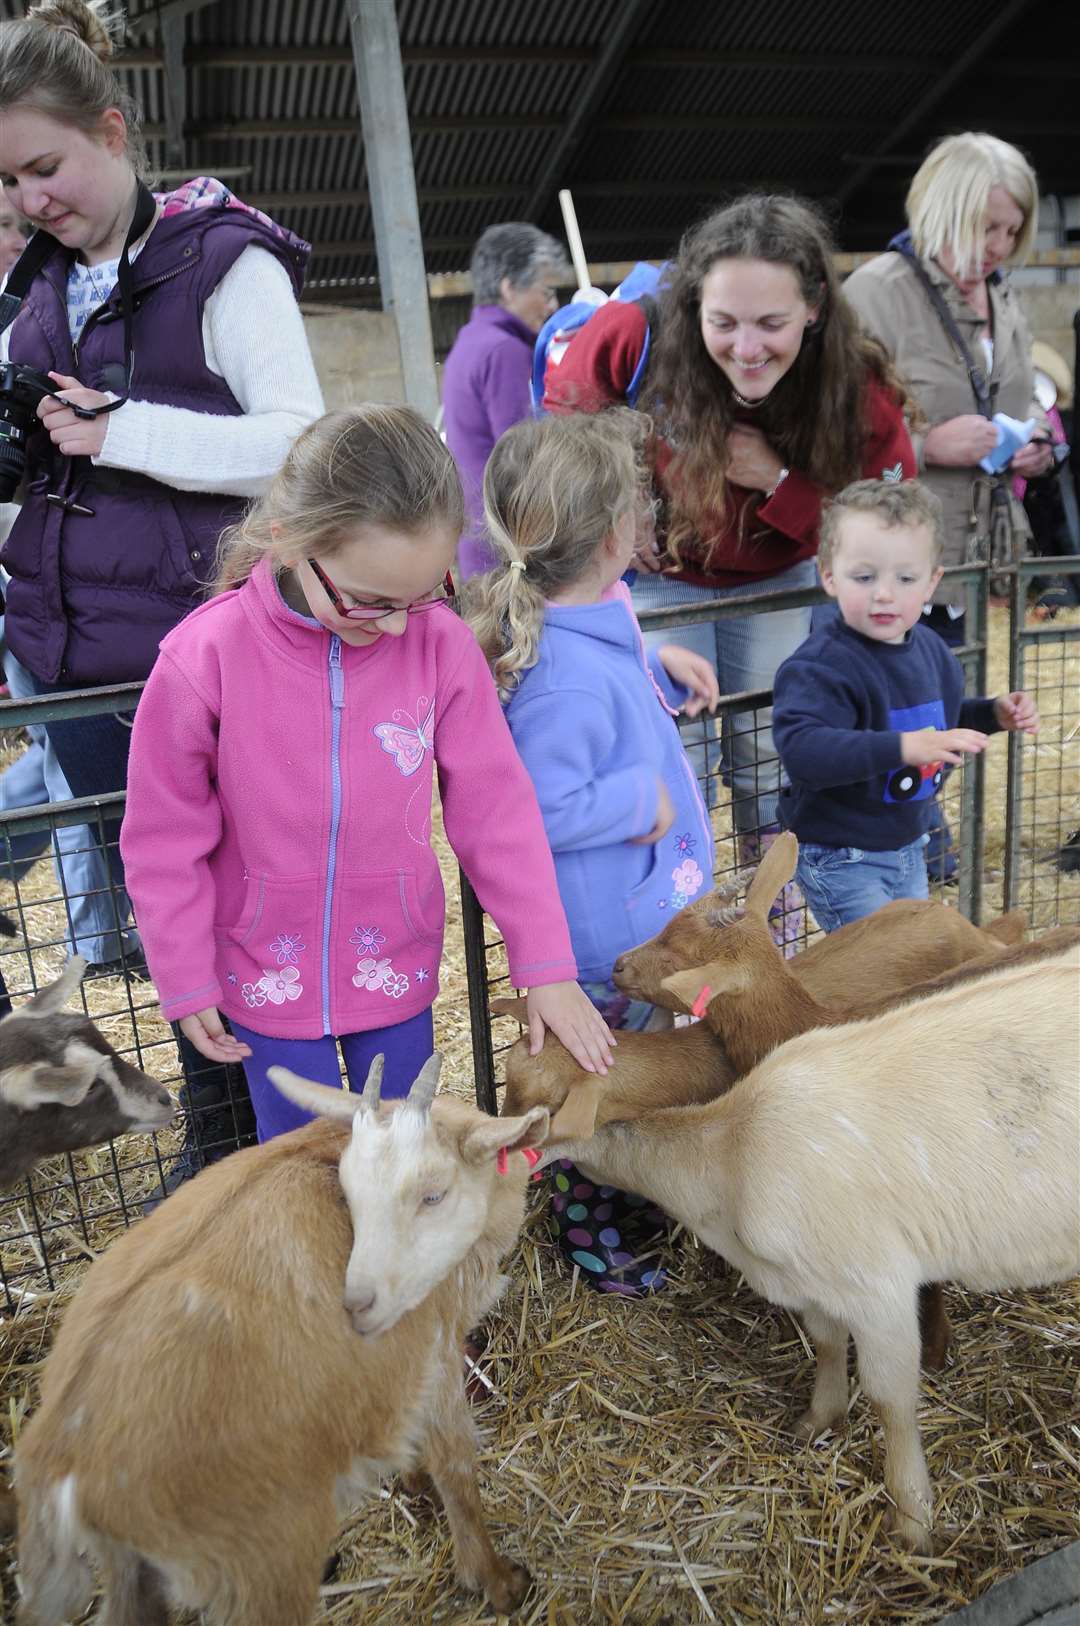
(620,963)
(360,1301)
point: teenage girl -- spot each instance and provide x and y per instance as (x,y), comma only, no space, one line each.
(278,828)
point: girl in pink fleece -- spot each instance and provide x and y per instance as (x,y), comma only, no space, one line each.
(277,835)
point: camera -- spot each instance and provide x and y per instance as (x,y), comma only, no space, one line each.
(21,388)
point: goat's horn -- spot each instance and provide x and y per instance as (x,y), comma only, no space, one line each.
(318,1099)
(733,884)
(423,1091)
(373,1085)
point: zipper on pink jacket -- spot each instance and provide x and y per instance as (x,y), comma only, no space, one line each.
(337,704)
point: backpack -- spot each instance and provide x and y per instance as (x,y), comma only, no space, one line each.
(557,334)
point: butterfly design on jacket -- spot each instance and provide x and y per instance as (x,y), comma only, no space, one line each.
(408,738)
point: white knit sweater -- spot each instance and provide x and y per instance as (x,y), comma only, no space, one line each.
(253,338)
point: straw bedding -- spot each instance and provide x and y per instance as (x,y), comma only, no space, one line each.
(636,1455)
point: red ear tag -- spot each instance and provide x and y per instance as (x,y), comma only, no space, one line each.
(500,1160)
(701,1003)
(531,1156)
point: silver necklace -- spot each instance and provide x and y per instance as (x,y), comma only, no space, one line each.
(751,406)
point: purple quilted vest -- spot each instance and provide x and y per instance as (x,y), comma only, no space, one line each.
(91,598)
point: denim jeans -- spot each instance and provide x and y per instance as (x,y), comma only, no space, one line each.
(746,651)
(405,1045)
(34,778)
(842,884)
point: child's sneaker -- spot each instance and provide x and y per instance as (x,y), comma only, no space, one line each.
(610,1235)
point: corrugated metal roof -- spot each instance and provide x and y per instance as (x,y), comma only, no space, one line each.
(707,100)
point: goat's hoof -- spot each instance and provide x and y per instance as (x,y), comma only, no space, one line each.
(416,1483)
(809,1425)
(507,1586)
(914,1534)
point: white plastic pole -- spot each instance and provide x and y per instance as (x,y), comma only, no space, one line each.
(573,237)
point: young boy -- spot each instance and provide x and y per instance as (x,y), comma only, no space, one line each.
(867,711)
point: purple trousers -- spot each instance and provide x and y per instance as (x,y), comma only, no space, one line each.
(406,1046)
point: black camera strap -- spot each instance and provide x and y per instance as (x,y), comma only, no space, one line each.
(42,246)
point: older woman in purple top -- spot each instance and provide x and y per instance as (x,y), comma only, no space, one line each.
(514,269)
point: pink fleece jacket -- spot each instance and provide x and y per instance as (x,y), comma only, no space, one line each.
(277,835)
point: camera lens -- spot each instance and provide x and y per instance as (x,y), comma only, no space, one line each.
(14,422)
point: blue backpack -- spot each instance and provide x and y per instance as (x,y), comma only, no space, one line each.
(552,342)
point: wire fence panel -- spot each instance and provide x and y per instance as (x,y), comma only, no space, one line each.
(64,894)
(737,771)
(61,866)
(1042,864)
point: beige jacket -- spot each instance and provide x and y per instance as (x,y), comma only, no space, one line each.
(893,305)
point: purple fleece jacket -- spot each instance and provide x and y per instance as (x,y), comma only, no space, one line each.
(485,391)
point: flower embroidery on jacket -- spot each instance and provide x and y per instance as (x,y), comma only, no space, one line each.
(685,844)
(688,879)
(380,974)
(232,979)
(275,986)
(282,985)
(286,946)
(368,938)
(422,974)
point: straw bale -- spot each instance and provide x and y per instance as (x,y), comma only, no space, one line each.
(636,1454)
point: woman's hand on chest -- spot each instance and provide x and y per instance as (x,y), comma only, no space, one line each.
(752,461)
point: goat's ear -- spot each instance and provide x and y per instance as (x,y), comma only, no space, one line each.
(318,1099)
(718,977)
(510,1007)
(773,874)
(576,1118)
(482,1141)
(56,995)
(40,1084)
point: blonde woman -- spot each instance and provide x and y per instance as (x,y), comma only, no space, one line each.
(972,213)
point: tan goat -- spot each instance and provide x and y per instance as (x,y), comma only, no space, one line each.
(237,1371)
(939,1141)
(903,943)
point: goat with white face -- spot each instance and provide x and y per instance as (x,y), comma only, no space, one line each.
(209,1413)
(63,1086)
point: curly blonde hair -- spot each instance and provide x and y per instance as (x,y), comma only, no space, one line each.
(554,490)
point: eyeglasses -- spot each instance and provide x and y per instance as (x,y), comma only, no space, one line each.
(379,612)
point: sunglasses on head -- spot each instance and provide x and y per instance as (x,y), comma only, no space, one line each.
(379,612)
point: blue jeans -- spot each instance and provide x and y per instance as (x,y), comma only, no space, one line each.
(406,1046)
(746,652)
(842,884)
(34,778)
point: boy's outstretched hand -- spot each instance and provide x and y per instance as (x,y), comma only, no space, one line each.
(922,747)
(695,673)
(574,1020)
(1017,712)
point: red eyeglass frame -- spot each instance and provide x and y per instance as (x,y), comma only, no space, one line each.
(374,612)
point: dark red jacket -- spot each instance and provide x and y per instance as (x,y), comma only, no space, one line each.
(594,373)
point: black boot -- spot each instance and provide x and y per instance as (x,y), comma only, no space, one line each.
(220,1116)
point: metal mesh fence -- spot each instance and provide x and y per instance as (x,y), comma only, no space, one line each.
(737,768)
(62,892)
(1042,843)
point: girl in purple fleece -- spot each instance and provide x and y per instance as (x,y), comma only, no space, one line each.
(592,714)
(277,834)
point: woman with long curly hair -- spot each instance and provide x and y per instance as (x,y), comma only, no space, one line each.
(767,398)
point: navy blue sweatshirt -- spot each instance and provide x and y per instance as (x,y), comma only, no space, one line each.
(840,704)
